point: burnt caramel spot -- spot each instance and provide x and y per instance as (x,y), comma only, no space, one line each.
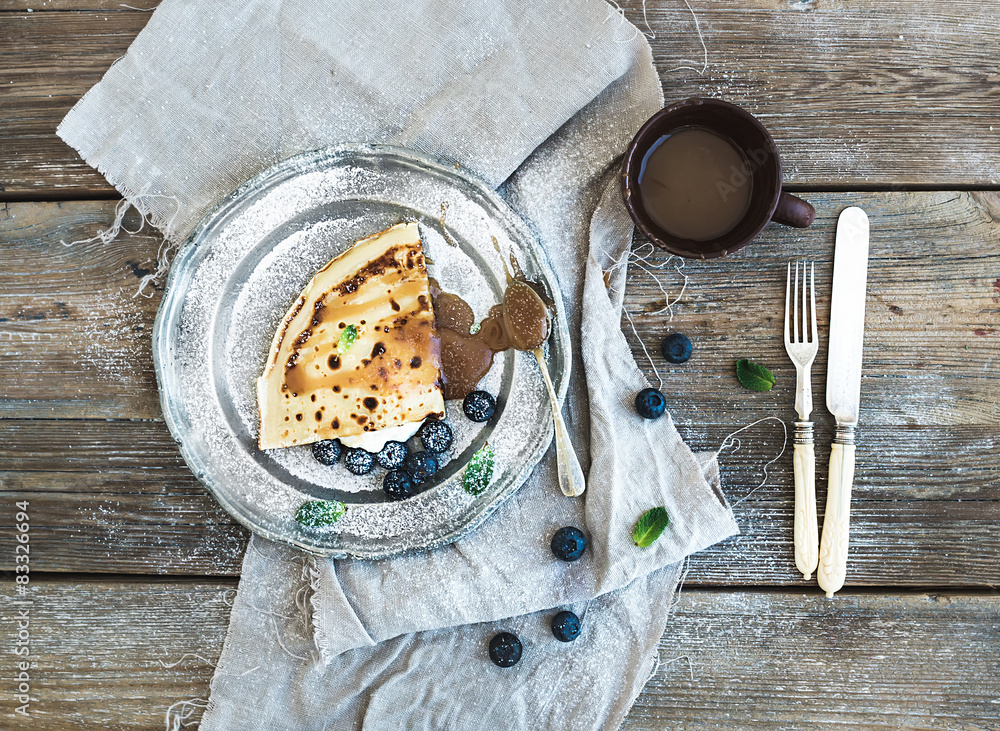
(333,362)
(342,325)
(371,403)
(298,417)
(335,423)
(312,398)
(394,304)
(378,349)
(336,389)
(319,416)
(415,362)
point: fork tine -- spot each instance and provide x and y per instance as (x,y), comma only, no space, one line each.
(788,290)
(805,316)
(796,323)
(812,297)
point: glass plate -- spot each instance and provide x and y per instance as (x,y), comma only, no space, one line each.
(242,268)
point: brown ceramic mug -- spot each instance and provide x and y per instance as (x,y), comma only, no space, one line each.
(767,202)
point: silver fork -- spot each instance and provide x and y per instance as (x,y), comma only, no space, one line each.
(801,344)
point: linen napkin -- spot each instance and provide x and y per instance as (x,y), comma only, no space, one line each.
(540,100)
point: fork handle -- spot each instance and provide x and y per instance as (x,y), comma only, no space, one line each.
(836,523)
(806,531)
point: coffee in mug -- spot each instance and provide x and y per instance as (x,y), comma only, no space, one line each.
(702,178)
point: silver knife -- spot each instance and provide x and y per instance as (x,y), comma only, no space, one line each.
(843,389)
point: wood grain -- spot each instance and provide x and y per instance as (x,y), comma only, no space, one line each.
(116,497)
(910,661)
(75,346)
(75,340)
(857,94)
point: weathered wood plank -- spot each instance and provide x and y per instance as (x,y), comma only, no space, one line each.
(115,497)
(75,341)
(932,316)
(856,94)
(79,346)
(773,660)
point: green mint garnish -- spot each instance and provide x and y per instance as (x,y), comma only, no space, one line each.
(649,527)
(754,376)
(479,472)
(475,328)
(347,339)
(317,513)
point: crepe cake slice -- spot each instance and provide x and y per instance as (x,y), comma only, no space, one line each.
(357,351)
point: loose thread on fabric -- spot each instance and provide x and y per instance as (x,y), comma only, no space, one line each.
(617,9)
(184,657)
(730,441)
(110,234)
(620,12)
(674,601)
(701,39)
(179,714)
(643,261)
(254,669)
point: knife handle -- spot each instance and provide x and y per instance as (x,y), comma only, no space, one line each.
(836,523)
(806,532)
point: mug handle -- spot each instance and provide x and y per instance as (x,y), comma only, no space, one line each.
(793,211)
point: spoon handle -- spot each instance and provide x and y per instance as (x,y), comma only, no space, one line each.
(571,480)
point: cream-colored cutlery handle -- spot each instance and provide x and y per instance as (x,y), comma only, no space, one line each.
(571,480)
(837,522)
(806,531)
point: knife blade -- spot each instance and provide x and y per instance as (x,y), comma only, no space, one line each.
(843,388)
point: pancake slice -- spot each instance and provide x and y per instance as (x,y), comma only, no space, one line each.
(357,351)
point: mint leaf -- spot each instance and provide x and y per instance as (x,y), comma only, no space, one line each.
(347,339)
(317,513)
(479,472)
(649,527)
(754,376)
(476,327)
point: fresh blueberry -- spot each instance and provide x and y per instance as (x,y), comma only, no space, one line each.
(649,403)
(435,435)
(397,485)
(479,406)
(358,461)
(421,466)
(569,543)
(328,451)
(566,626)
(392,455)
(676,348)
(505,650)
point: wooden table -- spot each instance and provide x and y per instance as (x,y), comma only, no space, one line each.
(893,106)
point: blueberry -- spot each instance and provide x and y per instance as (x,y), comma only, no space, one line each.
(392,455)
(328,451)
(676,348)
(479,406)
(505,650)
(566,626)
(569,543)
(358,461)
(649,403)
(397,485)
(421,466)
(435,436)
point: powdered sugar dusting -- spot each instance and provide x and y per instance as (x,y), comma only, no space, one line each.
(230,289)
